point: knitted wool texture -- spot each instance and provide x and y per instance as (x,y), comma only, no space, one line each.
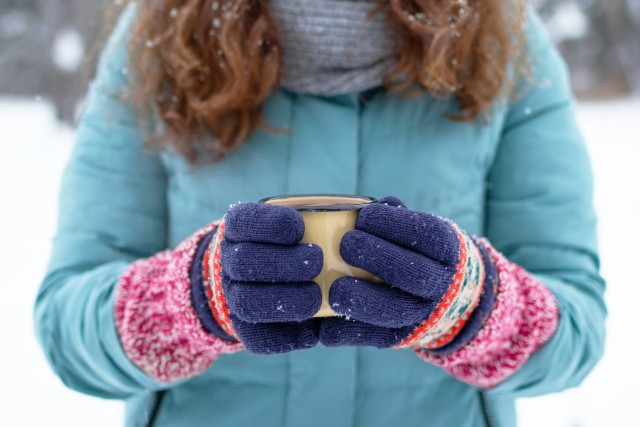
(433,275)
(260,282)
(329,48)
(158,328)
(482,311)
(524,318)
(199,297)
(259,288)
(163,335)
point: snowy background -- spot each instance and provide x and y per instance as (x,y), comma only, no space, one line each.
(48,47)
(45,47)
(35,148)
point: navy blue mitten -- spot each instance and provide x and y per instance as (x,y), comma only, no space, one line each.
(257,280)
(437,283)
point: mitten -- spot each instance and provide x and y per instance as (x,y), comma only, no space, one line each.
(241,283)
(446,294)
(258,280)
(438,284)
(159,329)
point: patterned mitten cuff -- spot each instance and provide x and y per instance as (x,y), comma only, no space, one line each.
(444,326)
(525,317)
(258,279)
(213,284)
(200,288)
(438,283)
(158,327)
(475,321)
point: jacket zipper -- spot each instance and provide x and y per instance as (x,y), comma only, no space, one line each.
(155,408)
(486,412)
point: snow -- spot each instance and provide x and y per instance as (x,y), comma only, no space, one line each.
(35,148)
(68,50)
(33,151)
(634,8)
(567,22)
(607,397)
(13,23)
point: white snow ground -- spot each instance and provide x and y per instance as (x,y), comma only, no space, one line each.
(34,149)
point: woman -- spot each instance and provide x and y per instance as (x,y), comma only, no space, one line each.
(459,109)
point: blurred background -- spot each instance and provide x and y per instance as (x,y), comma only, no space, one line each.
(47,52)
(47,47)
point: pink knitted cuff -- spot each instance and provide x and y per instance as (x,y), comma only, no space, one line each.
(525,316)
(158,327)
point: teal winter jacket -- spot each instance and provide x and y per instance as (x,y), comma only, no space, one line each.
(521,179)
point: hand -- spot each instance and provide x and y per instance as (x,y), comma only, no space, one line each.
(262,279)
(438,284)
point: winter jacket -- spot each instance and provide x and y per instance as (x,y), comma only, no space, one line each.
(521,179)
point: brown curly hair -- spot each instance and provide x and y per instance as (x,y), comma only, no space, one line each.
(205,65)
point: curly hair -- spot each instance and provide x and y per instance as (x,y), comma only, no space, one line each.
(205,65)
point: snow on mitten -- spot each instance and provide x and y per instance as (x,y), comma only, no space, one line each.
(438,284)
(454,299)
(258,284)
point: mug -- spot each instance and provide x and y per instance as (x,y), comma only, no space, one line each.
(327,217)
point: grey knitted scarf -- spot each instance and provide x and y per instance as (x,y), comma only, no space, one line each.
(329,48)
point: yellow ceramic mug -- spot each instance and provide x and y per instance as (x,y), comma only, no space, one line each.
(326,219)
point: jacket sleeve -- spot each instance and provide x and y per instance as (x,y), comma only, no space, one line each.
(540,215)
(112,211)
